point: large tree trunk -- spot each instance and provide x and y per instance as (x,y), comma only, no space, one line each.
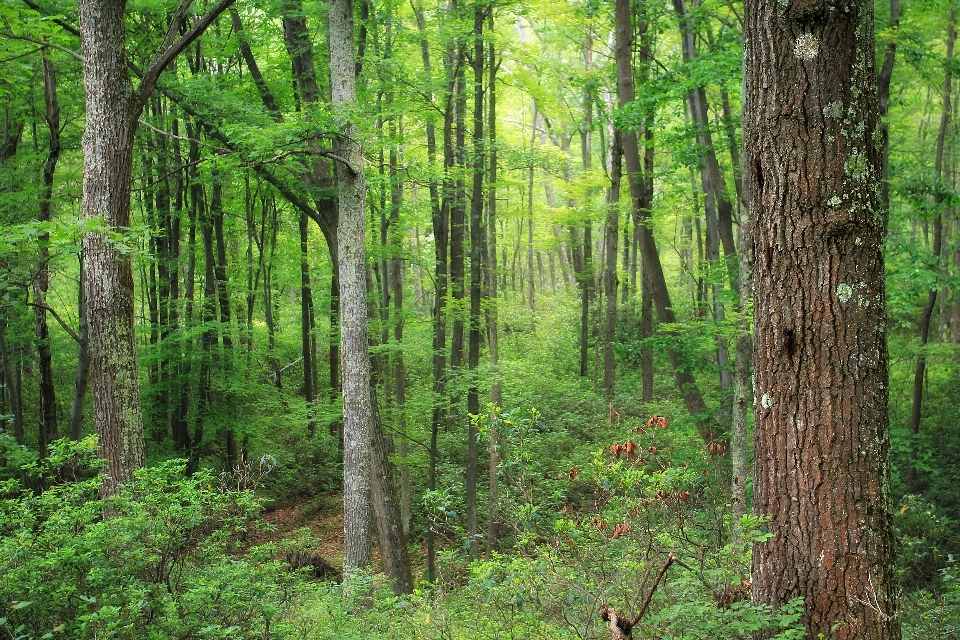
(112,110)
(107,158)
(352,189)
(822,440)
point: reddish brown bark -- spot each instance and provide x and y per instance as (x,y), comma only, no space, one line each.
(812,169)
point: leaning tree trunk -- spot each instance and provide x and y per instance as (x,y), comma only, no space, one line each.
(812,173)
(639,199)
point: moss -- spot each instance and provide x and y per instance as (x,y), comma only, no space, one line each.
(856,165)
(844,292)
(806,47)
(833,110)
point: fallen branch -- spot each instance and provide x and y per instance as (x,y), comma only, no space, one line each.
(621,629)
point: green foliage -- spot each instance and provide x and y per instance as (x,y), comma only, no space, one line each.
(160,560)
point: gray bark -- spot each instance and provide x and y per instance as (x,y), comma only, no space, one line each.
(352,191)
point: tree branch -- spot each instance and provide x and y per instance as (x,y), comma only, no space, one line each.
(58,319)
(69,28)
(170,51)
(42,43)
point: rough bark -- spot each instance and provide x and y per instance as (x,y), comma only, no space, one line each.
(108,155)
(112,110)
(352,191)
(821,472)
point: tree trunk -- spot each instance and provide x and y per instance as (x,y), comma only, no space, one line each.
(306,304)
(927,314)
(352,189)
(112,110)
(610,273)
(440,221)
(742,389)
(11,384)
(821,471)
(714,186)
(107,158)
(390,538)
(48,401)
(641,207)
(493,338)
(477,250)
(883,93)
(83,364)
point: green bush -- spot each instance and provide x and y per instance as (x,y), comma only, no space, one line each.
(160,560)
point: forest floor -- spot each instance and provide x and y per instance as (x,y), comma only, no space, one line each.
(322,515)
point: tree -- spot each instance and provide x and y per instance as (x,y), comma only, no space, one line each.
(812,164)
(113,107)
(352,186)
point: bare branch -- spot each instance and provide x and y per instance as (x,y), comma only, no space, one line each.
(56,317)
(42,43)
(166,55)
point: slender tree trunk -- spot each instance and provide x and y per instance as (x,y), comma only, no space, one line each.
(493,337)
(648,248)
(742,389)
(306,304)
(714,185)
(83,365)
(821,470)
(883,93)
(440,218)
(11,383)
(48,401)
(927,313)
(477,250)
(399,369)
(390,538)
(610,273)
